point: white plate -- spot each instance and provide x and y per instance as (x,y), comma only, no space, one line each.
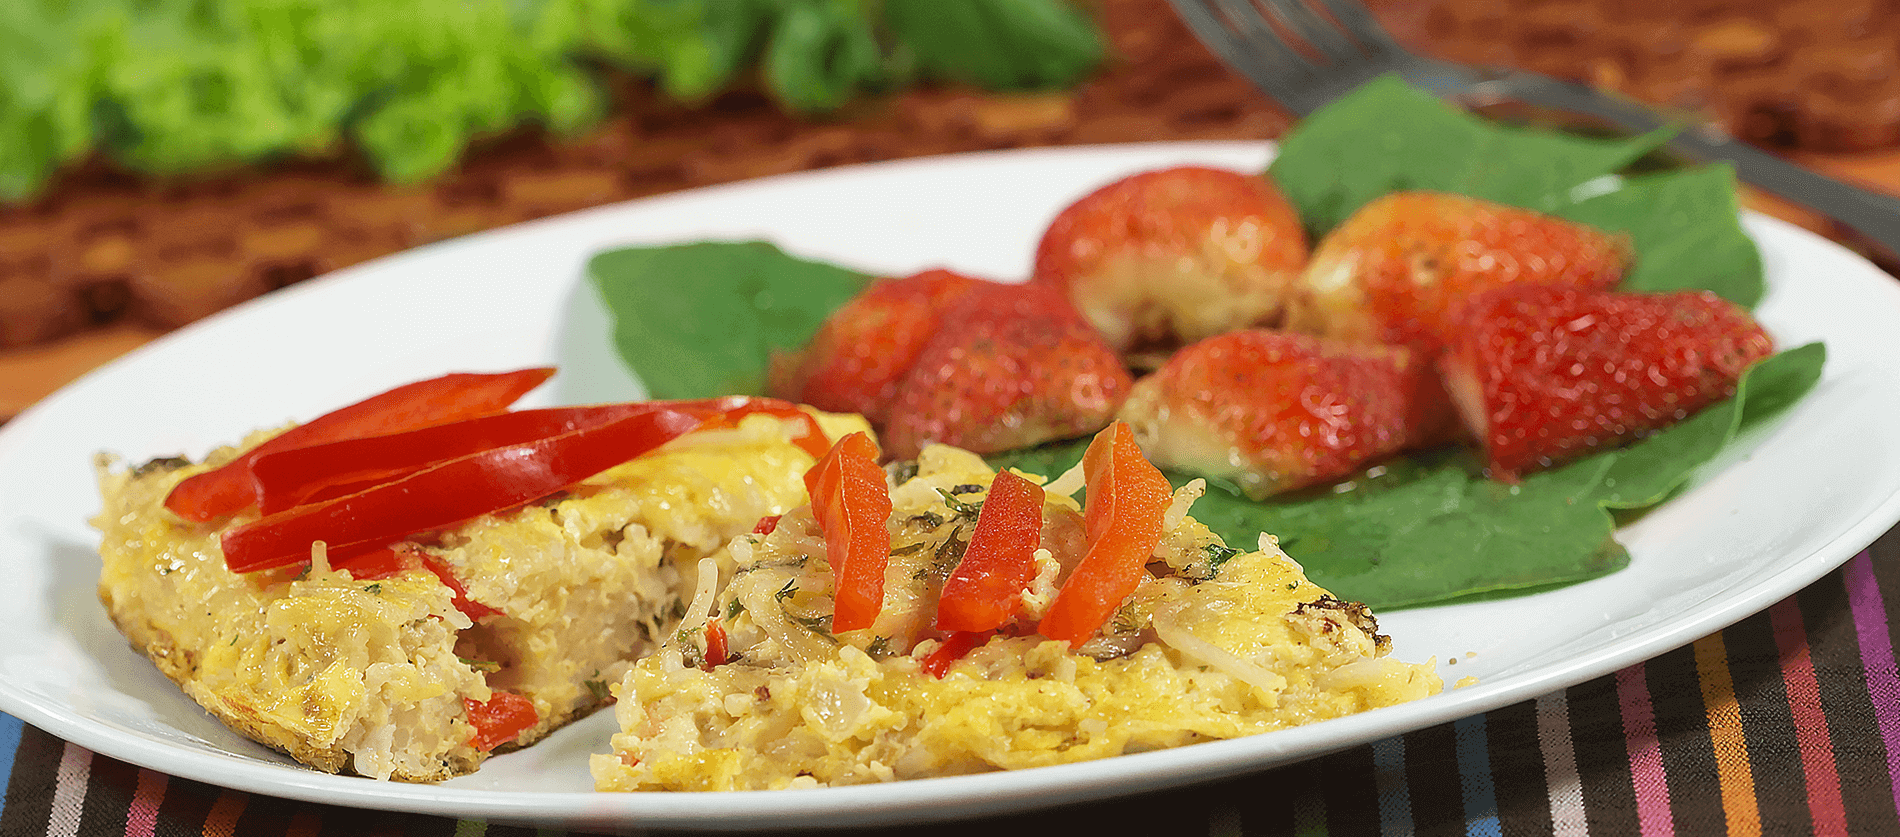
(1796,499)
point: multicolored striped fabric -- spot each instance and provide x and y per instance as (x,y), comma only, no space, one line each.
(1786,723)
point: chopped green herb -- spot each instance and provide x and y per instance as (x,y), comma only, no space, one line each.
(914,546)
(597,688)
(1218,554)
(820,625)
(901,471)
(949,554)
(963,509)
(488,666)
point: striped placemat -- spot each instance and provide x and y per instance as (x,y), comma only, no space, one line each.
(1787,722)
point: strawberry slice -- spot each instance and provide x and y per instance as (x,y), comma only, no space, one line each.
(855,359)
(1168,257)
(1010,366)
(1545,374)
(1398,270)
(1273,411)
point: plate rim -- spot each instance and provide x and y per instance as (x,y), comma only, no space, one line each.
(917,800)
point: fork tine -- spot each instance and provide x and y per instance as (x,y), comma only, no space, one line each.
(1363,26)
(1315,29)
(1256,33)
(1277,70)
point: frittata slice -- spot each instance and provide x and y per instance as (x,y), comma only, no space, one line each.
(1216,643)
(379,677)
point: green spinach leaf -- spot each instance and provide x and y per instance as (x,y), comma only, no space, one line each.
(699,320)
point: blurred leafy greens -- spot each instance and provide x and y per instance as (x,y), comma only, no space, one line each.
(170,86)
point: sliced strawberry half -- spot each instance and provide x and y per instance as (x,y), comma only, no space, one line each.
(1399,270)
(1010,366)
(1167,257)
(1545,374)
(1273,411)
(854,361)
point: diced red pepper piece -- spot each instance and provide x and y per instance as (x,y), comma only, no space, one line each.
(499,720)
(852,503)
(229,488)
(766,525)
(718,648)
(997,566)
(958,643)
(1127,498)
(474,610)
(449,493)
(390,560)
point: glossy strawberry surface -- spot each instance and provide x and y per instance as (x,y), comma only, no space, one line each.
(1272,411)
(854,361)
(1009,366)
(1544,374)
(1166,257)
(1399,270)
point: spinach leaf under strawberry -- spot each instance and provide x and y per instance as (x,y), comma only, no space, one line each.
(1423,529)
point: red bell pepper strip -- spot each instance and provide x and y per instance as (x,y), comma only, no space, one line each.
(999,563)
(449,493)
(319,472)
(503,718)
(1127,498)
(958,643)
(228,488)
(852,503)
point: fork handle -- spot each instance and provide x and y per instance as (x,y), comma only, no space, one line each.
(1875,216)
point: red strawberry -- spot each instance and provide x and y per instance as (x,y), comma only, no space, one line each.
(1012,365)
(854,361)
(1543,374)
(1398,270)
(1168,257)
(1273,411)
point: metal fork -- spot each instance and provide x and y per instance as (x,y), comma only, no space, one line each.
(1330,47)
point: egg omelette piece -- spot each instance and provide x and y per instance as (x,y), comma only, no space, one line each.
(380,677)
(1216,643)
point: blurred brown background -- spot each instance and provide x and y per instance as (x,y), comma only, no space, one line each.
(107,261)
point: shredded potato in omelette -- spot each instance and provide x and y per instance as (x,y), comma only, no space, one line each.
(1215,643)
